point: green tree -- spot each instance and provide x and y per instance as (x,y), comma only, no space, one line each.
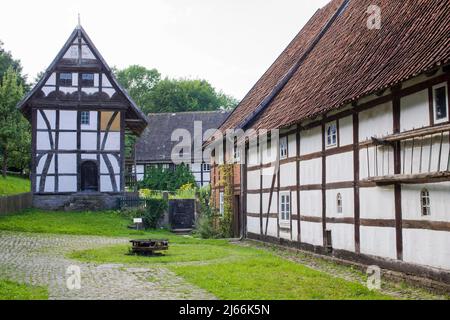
(157,178)
(139,82)
(7,61)
(14,129)
(182,95)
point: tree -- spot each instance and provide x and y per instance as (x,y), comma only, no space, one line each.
(14,129)
(182,95)
(7,61)
(157,178)
(139,82)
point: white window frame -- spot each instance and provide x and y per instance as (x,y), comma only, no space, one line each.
(206,167)
(283,148)
(221,203)
(425,203)
(339,203)
(88,118)
(437,121)
(334,143)
(285,208)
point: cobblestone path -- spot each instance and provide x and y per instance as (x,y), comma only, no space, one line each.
(39,259)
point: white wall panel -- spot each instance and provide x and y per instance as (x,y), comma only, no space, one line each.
(342,236)
(377,203)
(311,140)
(40,165)
(89,141)
(288,174)
(51,117)
(311,203)
(253,180)
(346,131)
(67,184)
(378,241)
(311,232)
(414,111)
(112,142)
(376,122)
(49,184)
(68,120)
(273,205)
(67,141)
(311,171)
(339,167)
(42,140)
(115,165)
(93,120)
(253,225)
(67,163)
(427,247)
(292,145)
(252,203)
(347,203)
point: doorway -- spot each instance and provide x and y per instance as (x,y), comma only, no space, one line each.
(89,176)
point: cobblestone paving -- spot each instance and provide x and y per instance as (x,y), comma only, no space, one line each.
(39,259)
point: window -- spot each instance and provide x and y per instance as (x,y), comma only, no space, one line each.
(285,207)
(65,80)
(440,103)
(339,203)
(283,148)
(331,135)
(425,202)
(221,203)
(85,117)
(87,79)
(206,167)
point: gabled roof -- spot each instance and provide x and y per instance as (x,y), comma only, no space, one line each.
(155,144)
(350,61)
(137,120)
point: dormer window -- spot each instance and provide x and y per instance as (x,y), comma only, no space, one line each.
(440,103)
(65,80)
(331,135)
(87,80)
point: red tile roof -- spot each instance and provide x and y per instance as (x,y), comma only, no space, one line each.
(350,61)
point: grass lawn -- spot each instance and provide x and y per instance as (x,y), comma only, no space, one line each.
(234,272)
(13,185)
(14,291)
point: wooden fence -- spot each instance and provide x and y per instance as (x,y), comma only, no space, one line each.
(15,203)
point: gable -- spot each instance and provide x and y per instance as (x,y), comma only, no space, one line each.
(79,76)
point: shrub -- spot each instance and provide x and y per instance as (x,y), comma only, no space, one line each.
(154,210)
(169,180)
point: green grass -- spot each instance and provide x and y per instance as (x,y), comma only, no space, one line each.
(233,272)
(10,290)
(13,185)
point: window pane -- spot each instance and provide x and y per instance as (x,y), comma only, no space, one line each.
(440,103)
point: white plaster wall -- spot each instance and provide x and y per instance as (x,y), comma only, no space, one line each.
(273,205)
(40,165)
(346,131)
(67,163)
(113,141)
(105,183)
(339,167)
(92,122)
(114,163)
(252,203)
(311,140)
(439,201)
(49,184)
(253,180)
(268,174)
(347,203)
(311,203)
(51,117)
(88,157)
(311,171)
(67,141)
(109,91)
(67,184)
(88,141)
(68,89)
(311,232)
(427,247)
(292,145)
(253,225)
(68,120)
(377,203)
(51,81)
(42,140)
(272,227)
(75,79)
(288,174)
(378,241)
(414,111)
(376,122)
(253,155)
(105,81)
(269,155)
(47,90)
(342,236)
(206,178)
(90,90)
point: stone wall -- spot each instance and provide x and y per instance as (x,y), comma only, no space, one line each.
(76,202)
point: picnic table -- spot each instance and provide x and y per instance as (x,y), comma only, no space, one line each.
(149,247)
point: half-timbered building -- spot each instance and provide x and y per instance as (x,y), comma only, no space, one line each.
(364,157)
(79,114)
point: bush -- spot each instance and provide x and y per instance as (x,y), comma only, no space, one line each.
(167,180)
(208,222)
(154,211)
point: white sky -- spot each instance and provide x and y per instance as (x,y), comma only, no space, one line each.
(227,42)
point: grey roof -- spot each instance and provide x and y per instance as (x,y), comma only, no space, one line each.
(155,143)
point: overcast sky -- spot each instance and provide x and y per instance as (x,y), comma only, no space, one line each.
(227,42)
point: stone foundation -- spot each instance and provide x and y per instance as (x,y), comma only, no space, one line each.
(77,202)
